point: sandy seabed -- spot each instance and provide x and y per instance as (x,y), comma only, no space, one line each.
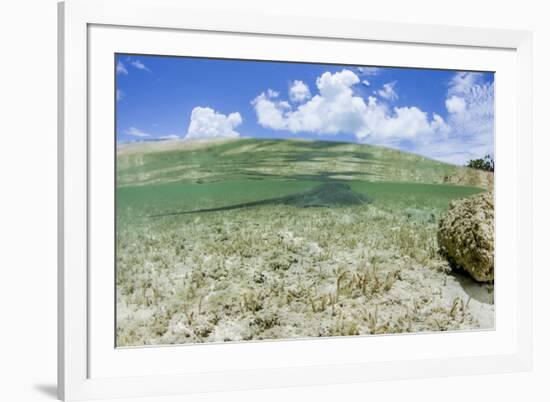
(280,272)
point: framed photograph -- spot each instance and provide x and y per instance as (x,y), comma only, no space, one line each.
(254,201)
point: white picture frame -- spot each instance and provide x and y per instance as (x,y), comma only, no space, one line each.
(91,369)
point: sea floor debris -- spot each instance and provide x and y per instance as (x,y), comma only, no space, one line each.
(278,272)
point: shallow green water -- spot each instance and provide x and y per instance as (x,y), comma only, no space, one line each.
(418,195)
(171,197)
(161,198)
(248,170)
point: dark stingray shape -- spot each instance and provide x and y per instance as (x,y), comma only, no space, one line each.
(324,195)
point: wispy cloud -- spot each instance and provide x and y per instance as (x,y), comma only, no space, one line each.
(139,133)
(139,65)
(470,104)
(369,71)
(388,91)
(119,94)
(470,118)
(121,68)
(136,132)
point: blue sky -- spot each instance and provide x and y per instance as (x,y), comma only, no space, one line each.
(441,114)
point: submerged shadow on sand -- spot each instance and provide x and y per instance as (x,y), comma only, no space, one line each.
(482,292)
(332,194)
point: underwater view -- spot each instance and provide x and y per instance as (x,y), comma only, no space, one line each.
(324,207)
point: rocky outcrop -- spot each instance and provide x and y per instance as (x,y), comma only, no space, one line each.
(466,236)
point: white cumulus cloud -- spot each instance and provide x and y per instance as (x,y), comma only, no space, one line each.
(270,112)
(272,93)
(472,117)
(471,104)
(455,104)
(336,110)
(463,81)
(465,133)
(207,123)
(470,107)
(299,91)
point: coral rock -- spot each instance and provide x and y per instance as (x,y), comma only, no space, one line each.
(466,236)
